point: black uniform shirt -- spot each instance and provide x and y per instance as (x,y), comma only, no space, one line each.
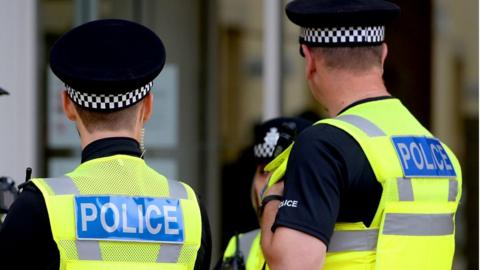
(328,180)
(26,238)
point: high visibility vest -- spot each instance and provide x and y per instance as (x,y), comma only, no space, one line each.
(414,226)
(118,213)
(249,248)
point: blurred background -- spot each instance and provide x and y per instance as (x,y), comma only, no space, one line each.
(230,65)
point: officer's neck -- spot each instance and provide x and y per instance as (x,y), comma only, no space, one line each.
(336,89)
(87,138)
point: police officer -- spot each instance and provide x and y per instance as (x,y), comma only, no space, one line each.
(370,187)
(113,211)
(271,138)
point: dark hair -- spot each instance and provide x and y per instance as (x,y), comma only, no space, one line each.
(354,59)
(111,121)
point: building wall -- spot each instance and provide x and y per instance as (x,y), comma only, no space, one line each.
(454,68)
(18,75)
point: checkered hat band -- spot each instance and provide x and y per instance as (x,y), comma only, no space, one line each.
(108,102)
(354,35)
(263,150)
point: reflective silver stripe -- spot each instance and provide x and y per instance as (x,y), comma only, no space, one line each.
(452,190)
(88,250)
(365,125)
(356,240)
(418,224)
(169,253)
(62,185)
(405,189)
(246,241)
(177,190)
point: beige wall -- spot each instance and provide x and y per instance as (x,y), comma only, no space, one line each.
(454,68)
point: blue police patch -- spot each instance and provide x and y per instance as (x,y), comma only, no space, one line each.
(423,157)
(129,219)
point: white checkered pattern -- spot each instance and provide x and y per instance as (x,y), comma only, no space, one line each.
(353,35)
(108,102)
(263,150)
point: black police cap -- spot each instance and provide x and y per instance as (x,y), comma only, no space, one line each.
(108,65)
(341,23)
(274,135)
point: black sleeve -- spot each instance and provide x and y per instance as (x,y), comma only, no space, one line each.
(328,180)
(204,254)
(313,182)
(25,236)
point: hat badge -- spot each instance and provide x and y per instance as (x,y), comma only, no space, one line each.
(272,136)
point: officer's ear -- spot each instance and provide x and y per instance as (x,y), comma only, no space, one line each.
(384,52)
(147,107)
(68,107)
(310,67)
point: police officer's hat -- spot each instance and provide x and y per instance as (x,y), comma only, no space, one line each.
(341,23)
(273,136)
(108,65)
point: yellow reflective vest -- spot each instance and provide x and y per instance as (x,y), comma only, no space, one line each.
(249,248)
(118,213)
(414,225)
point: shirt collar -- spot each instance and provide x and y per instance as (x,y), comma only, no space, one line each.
(111,146)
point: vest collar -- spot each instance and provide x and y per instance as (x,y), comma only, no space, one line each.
(365,100)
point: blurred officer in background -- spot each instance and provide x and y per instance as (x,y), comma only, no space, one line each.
(113,211)
(271,138)
(369,188)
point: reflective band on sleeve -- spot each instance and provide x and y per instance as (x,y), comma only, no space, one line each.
(365,125)
(177,190)
(246,241)
(418,224)
(405,189)
(452,190)
(169,253)
(62,185)
(88,250)
(357,240)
